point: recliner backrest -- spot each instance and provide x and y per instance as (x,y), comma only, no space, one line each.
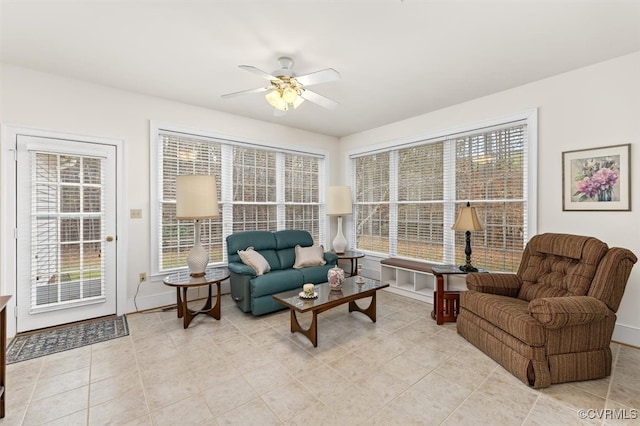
(261,241)
(286,241)
(555,265)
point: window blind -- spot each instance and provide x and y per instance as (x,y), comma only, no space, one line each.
(258,189)
(254,189)
(302,194)
(421,202)
(491,173)
(407,197)
(180,156)
(371,176)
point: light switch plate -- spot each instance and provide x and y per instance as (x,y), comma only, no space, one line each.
(136,213)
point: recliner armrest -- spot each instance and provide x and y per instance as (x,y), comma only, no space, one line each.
(241,268)
(558,312)
(501,284)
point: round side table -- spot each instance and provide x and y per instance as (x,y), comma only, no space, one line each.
(353,257)
(182,280)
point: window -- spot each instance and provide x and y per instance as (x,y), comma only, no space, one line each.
(180,155)
(407,196)
(258,189)
(372,201)
(301,194)
(254,190)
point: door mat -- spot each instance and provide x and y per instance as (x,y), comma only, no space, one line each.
(51,341)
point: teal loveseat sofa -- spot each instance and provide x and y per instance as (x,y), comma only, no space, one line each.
(253,293)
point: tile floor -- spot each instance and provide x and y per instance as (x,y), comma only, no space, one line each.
(402,370)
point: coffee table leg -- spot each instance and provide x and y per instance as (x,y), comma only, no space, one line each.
(311,333)
(370,311)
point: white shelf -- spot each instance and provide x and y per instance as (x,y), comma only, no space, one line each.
(415,284)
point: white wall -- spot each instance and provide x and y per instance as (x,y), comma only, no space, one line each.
(44,101)
(591,107)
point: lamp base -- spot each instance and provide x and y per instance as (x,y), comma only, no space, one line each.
(197,274)
(339,242)
(468,268)
(198,258)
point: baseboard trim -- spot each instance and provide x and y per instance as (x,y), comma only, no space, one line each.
(627,335)
(144,303)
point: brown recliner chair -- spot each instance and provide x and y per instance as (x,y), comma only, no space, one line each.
(552,321)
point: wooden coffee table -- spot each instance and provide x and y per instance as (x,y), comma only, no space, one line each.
(327,299)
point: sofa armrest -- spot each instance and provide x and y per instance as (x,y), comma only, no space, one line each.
(501,284)
(558,312)
(330,258)
(241,268)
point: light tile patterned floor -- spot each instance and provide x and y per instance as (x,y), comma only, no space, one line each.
(402,370)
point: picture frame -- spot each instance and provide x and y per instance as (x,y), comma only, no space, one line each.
(597,179)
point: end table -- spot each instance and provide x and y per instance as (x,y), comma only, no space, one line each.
(446,304)
(353,257)
(183,280)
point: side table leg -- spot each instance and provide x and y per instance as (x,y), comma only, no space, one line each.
(215,310)
(178,303)
(187,315)
(439,302)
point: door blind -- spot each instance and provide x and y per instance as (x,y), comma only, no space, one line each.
(67,214)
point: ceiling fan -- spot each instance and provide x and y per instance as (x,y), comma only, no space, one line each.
(287,90)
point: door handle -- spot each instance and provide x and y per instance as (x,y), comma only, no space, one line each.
(109,238)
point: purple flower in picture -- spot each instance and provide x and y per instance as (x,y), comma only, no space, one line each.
(595,179)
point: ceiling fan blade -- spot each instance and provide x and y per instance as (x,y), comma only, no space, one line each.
(259,72)
(322,76)
(246,92)
(319,99)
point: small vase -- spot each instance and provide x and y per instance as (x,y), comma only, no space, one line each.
(604,194)
(335,277)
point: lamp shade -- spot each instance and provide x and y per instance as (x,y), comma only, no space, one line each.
(467,220)
(338,201)
(196,197)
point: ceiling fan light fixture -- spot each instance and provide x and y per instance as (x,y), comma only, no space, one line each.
(289,94)
(275,99)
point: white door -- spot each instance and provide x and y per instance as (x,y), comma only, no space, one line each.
(66,224)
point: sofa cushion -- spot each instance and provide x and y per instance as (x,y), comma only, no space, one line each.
(254,259)
(286,257)
(309,256)
(509,314)
(315,274)
(276,282)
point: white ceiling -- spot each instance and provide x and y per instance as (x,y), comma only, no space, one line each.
(397,59)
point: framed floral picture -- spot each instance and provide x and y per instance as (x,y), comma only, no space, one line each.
(597,179)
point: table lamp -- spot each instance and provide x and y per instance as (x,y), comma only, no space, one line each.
(468,221)
(338,203)
(196,199)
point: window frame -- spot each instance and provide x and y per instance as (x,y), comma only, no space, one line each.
(527,117)
(226,202)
